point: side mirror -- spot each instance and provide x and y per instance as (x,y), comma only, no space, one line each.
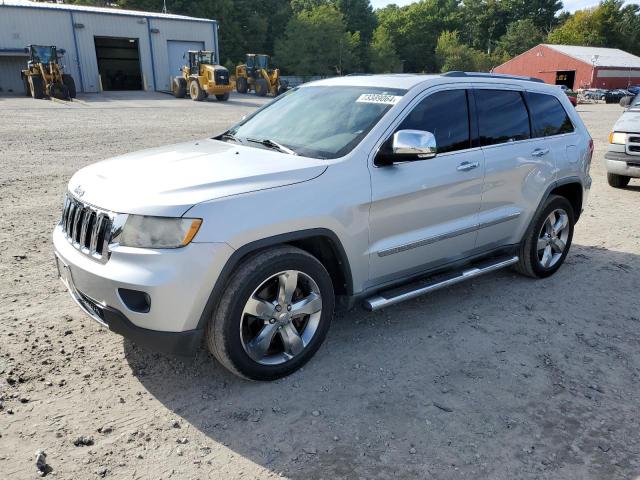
(406,146)
(625,101)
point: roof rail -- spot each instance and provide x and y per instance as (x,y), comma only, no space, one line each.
(491,75)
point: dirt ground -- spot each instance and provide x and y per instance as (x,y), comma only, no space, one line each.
(502,378)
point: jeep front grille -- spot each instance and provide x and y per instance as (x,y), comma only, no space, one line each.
(87,228)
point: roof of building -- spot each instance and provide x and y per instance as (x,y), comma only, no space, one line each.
(102,10)
(600,57)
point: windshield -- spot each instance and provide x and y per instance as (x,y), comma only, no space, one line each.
(320,122)
(43,54)
(206,58)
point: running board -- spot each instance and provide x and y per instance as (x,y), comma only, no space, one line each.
(415,289)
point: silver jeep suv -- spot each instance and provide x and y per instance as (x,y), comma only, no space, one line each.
(363,190)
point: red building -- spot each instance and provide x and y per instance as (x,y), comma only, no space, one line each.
(576,67)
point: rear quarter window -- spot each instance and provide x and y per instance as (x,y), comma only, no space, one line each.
(548,116)
(502,116)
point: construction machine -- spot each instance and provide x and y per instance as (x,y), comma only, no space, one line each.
(256,74)
(44,76)
(201,77)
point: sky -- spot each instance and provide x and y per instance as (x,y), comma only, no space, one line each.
(571,5)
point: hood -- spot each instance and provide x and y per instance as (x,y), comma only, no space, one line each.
(167,181)
(629,122)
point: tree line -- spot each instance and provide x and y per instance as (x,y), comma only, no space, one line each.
(329,37)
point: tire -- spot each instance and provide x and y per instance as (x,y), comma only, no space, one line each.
(283,87)
(179,87)
(261,87)
(223,98)
(241,85)
(27,87)
(617,181)
(230,331)
(196,92)
(544,262)
(37,87)
(59,91)
(70,83)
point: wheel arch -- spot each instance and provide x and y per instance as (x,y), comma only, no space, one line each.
(571,189)
(322,243)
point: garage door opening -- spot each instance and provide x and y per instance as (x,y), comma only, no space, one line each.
(118,63)
(566,78)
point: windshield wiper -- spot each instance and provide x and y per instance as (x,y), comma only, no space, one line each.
(272,145)
(229,136)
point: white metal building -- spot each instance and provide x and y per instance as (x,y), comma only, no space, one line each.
(105,48)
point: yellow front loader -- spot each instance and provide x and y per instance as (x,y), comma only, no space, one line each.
(255,74)
(44,76)
(202,77)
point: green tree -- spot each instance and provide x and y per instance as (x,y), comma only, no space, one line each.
(316,42)
(452,54)
(520,36)
(414,30)
(384,57)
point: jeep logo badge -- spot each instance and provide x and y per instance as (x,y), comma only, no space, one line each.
(78,191)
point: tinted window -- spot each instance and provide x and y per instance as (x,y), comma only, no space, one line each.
(446,115)
(548,116)
(502,116)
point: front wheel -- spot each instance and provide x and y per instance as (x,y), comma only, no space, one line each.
(617,181)
(274,314)
(547,242)
(196,92)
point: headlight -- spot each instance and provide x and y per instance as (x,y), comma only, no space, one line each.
(157,232)
(618,138)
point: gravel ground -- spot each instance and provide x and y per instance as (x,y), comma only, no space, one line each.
(501,378)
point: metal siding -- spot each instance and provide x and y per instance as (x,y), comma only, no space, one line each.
(177,30)
(175,55)
(99,25)
(10,78)
(20,27)
(543,62)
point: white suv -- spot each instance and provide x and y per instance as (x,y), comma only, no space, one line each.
(366,189)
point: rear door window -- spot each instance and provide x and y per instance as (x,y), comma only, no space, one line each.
(446,115)
(548,116)
(502,116)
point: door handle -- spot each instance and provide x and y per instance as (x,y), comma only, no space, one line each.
(540,152)
(466,166)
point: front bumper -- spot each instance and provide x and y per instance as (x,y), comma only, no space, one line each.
(621,163)
(177,281)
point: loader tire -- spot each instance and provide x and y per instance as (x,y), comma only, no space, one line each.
(27,87)
(70,83)
(36,86)
(261,87)
(59,91)
(241,85)
(179,87)
(223,98)
(196,92)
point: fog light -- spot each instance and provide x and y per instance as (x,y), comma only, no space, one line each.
(136,301)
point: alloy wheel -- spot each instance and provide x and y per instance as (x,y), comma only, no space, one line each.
(281,317)
(552,238)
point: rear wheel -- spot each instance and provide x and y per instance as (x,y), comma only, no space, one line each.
(617,181)
(179,87)
(196,92)
(547,242)
(241,85)
(70,83)
(36,86)
(223,98)
(274,314)
(261,87)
